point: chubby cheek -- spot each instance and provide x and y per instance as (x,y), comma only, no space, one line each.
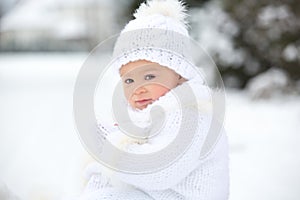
(158,91)
(131,102)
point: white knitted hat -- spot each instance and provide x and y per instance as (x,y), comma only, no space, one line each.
(157,34)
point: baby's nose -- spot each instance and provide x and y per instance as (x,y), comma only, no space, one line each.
(140,90)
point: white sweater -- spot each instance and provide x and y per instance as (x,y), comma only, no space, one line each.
(190,176)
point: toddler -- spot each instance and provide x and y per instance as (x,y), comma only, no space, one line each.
(151,57)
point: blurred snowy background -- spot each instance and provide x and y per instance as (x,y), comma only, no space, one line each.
(256,45)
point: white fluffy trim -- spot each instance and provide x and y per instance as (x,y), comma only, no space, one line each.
(171,8)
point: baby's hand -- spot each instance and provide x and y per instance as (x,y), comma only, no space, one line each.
(140,141)
(128,141)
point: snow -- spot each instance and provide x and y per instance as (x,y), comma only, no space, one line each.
(214,30)
(264,147)
(268,84)
(59,19)
(271,13)
(28,15)
(42,157)
(276,20)
(70,28)
(291,53)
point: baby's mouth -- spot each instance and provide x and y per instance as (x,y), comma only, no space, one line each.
(143,102)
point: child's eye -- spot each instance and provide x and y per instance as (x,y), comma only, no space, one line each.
(128,81)
(149,77)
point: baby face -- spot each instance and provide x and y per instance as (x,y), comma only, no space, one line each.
(145,81)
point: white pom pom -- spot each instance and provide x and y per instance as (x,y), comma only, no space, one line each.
(171,8)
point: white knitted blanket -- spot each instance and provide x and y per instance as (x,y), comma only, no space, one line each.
(188,177)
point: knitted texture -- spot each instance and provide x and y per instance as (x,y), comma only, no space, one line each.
(186,178)
(157,34)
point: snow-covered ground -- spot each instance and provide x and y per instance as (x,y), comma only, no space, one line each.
(41,157)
